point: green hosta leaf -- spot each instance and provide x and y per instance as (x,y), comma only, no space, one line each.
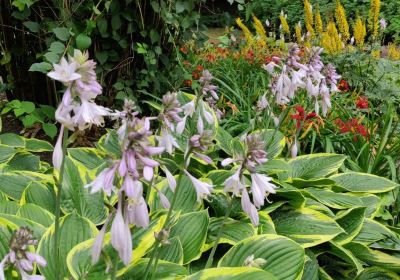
(79,259)
(304,183)
(191,230)
(23,161)
(172,252)
(41,195)
(6,228)
(306,226)
(315,205)
(74,229)
(362,182)
(377,273)
(374,257)
(266,225)
(323,275)
(36,145)
(371,202)
(36,213)
(310,267)
(38,229)
(283,257)
(75,197)
(109,144)
(13,140)
(274,142)
(315,165)
(232,273)
(351,221)
(89,157)
(372,231)
(233,231)
(334,200)
(293,195)
(345,255)
(224,140)
(14,183)
(9,207)
(165,270)
(6,153)
(273,166)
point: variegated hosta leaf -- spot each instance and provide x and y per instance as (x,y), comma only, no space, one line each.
(362,182)
(232,273)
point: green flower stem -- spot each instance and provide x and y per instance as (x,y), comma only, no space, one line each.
(58,207)
(219,234)
(114,269)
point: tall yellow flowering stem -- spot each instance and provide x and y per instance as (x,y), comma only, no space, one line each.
(246,32)
(308,18)
(359,32)
(341,20)
(284,24)
(331,41)
(319,27)
(261,32)
(373,21)
(297,30)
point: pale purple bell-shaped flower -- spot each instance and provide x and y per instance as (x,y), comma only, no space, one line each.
(64,72)
(121,237)
(249,208)
(202,188)
(137,212)
(260,188)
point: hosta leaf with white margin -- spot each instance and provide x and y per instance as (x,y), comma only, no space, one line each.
(371,202)
(311,266)
(345,255)
(36,214)
(38,229)
(218,177)
(233,231)
(6,153)
(362,182)
(317,182)
(372,231)
(334,200)
(9,207)
(75,197)
(266,225)
(315,205)
(191,229)
(293,195)
(186,198)
(374,257)
(172,252)
(165,270)
(315,166)
(283,257)
(306,226)
(274,142)
(40,194)
(351,221)
(37,146)
(223,140)
(14,183)
(232,273)
(273,166)
(23,161)
(377,273)
(79,259)
(13,140)
(6,228)
(109,144)
(74,229)
(91,158)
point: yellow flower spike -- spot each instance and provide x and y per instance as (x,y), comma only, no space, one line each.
(376,54)
(342,21)
(331,40)
(393,52)
(261,32)
(319,27)
(298,33)
(246,32)
(359,32)
(308,18)
(373,21)
(284,24)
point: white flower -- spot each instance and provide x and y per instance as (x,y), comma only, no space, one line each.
(137,213)
(233,183)
(121,237)
(167,141)
(294,149)
(260,186)
(89,113)
(202,188)
(171,179)
(58,151)
(164,200)
(249,208)
(98,244)
(189,108)
(64,72)
(104,181)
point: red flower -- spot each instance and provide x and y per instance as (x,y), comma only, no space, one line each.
(187,83)
(343,85)
(362,102)
(250,55)
(210,57)
(311,115)
(199,68)
(299,117)
(196,75)
(186,63)
(184,50)
(354,126)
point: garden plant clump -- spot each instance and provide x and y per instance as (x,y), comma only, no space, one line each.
(269,152)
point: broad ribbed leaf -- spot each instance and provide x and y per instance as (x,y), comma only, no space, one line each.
(283,257)
(89,157)
(14,183)
(191,230)
(36,214)
(40,194)
(351,221)
(362,182)
(315,165)
(306,226)
(172,252)
(345,255)
(9,207)
(6,153)
(310,267)
(377,273)
(372,231)
(232,273)
(233,231)
(334,200)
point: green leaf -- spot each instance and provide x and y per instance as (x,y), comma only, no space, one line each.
(38,146)
(83,41)
(38,229)
(108,143)
(283,257)
(39,194)
(232,273)
(351,221)
(74,229)
(345,255)
(52,57)
(224,140)
(334,200)
(274,141)
(165,270)
(42,67)
(310,267)
(315,165)
(89,157)
(377,273)
(306,226)
(36,213)
(362,182)
(9,207)
(13,140)
(372,231)
(75,197)
(32,26)
(6,153)
(50,129)
(62,33)
(14,183)
(374,257)
(191,229)
(57,47)
(172,252)
(23,161)
(233,231)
